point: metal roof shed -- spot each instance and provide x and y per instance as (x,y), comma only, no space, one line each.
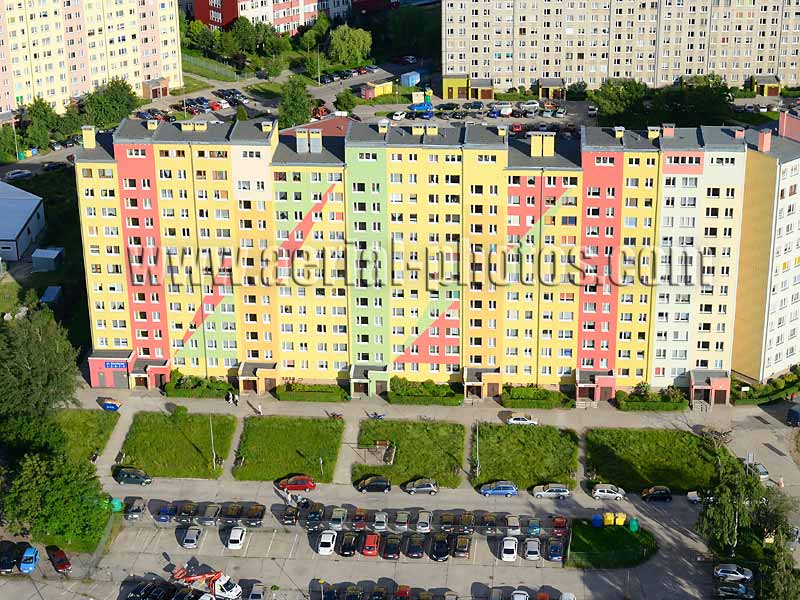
(47,259)
(22,222)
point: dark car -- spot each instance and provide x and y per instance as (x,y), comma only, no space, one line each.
(59,559)
(344,74)
(378,593)
(440,547)
(253,515)
(353,592)
(166,512)
(325,79)
(476,105)
(231,512)
(734,590)
(461,546)
(209,515)
(162,591)
(391,546)
(555,550)
(447,106)
(466,522)
(375,484)
(657,493)
(54,166)
(141,591)
(187,511)
(132,476)
(314,516)
(459,114)
(8,556)
(489,524)
(415,546)
(289,516)
(447,522)
(350,540)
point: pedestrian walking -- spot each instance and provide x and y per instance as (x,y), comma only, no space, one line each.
(260,412)
(236,399)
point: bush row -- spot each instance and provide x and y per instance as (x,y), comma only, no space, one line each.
(533,396)
(774,389)
(452,400)
(310,392)
(191,386)
(629,406)
(401,386)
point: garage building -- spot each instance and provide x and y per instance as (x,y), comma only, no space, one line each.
(23,221)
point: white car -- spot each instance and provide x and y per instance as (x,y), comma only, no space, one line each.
(529,105)
(381,521)
(761,471)
(191,537)
(533,549)
(521,419)
(227,589)
(513,526)
(236,538)
(519,595)
(326,543)
(259,592)
(551,490)
(506,111)
(561,112)
(223,103)
(606,491)
(424,519)
(508,550)
(399,115)
(731,572)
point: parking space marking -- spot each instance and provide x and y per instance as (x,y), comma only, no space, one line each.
(294,543)
(247,541)
(269,546)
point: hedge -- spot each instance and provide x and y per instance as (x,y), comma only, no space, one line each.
(630,406)
(532,396)
(775,389)
(452,400)
(191,386)
(309,392)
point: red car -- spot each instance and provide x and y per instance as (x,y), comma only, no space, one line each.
(516,128)
(298,483)
(362,71)
(59,559)
(403,592)
(214,105)
(360,519)
(370,545)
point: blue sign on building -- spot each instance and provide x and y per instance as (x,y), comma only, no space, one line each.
(115,365)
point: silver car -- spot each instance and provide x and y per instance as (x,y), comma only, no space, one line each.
(424,519)
(532,549)
(513,526)
(338,518)
(422,486)
(551,490)
(381,521)
(401,520)
(606,491)
(191,537)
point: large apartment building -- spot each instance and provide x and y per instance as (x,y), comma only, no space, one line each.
(517,42)
(62,49)
(287,16)
(348,251)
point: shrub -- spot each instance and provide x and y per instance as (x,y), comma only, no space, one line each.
(533,396)
(621,396)
(779,384)
(311,392)
(630,406)
(403,387)
(191,386)
(454,400)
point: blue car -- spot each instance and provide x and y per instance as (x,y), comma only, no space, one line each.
(29,560)
(494,113)
(499,488)
(166,513)
(421,106)
(555,550)
(427,115)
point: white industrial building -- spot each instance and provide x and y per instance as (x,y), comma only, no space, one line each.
(22,221)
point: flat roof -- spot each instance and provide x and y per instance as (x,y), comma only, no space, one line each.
(784,149)
(17,207)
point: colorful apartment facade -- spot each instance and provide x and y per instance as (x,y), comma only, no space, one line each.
(342,251)
(59,50)
(287,16)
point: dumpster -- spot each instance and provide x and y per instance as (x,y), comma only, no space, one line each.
(409,79)
(619,518)
(633,524)
(608,519)
(597,520)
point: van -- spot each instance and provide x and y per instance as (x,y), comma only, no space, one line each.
(793,416)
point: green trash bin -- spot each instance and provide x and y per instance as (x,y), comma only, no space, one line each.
(633,525)
(116,505)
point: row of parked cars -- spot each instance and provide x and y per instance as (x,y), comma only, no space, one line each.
(25,558)
(326,78)
(404,592)
(207,514)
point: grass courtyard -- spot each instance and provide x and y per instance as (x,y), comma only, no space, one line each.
(86,431)
(638,458)
(178,445)
(274,447)
(427,449)
(527,455)
(614,547)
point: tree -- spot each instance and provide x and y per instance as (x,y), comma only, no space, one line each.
(37,135)
(726,507)
(244,33)
(349,46)
(697,100)
(70,122)
(197,34)
(577,90)
(226,44)
(314,63)
(345,100)
(309,40)
(183,27)
(779,579)
(241,114)
(111,103)
(53,498)
(40,111)
(321,26)
(620,101)
(38,376)
(271,42)
(275,65)
(295,106)
(7,146)
(771,514)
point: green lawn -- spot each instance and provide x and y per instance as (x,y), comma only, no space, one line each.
(190,86)
(423,450)
(63,229)
(756,118)
(614,547)
(86,430)
(274,447)
(637,458)
(267,90)
(527,455)
(167,447)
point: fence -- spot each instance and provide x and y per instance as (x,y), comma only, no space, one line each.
(206,67)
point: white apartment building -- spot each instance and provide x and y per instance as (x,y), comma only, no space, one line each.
(517,42)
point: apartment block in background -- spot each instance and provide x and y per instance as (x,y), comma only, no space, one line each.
(287,17)
(516,42)
(59,50)
(342,251)
(766,334)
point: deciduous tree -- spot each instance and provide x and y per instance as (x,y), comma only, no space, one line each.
(345,100)
(245,34)
(348,45)
(295,106)
(109,104)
